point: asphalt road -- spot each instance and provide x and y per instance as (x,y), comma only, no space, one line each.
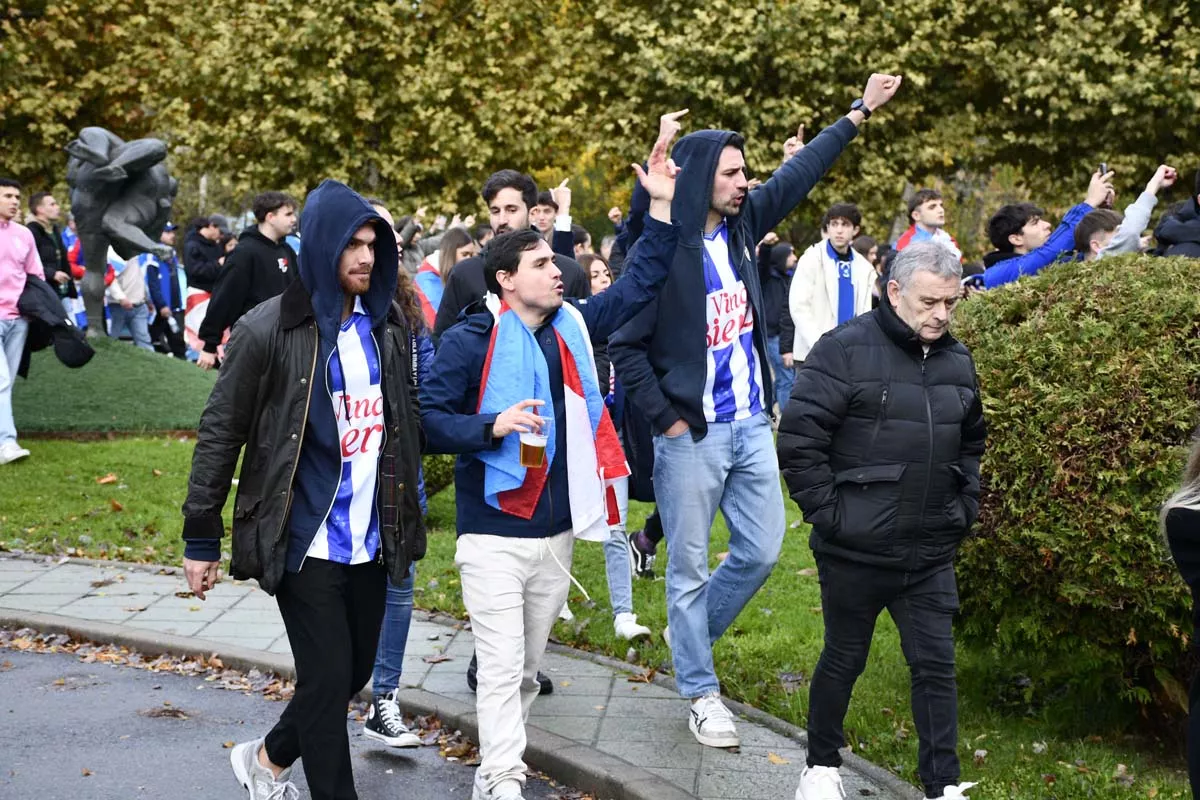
(76,731)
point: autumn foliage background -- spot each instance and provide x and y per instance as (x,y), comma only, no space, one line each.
(419,101)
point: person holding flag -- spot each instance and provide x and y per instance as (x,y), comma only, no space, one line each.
(513,391)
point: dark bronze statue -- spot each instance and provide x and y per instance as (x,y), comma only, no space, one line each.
(121,196)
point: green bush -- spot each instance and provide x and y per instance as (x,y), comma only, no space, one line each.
(1090,375)
(439,473)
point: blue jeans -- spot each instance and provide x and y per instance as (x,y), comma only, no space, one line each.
(393,635)
(784,377)
(12,340)
(616,557)
(734,468)
(133,318)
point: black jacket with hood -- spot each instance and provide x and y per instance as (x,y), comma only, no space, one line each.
(272,396)
(257,270)
(1178,233)
(880,444)
(54,257)
(661,355)
(201,261)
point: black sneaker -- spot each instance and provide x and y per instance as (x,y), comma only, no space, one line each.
(546,686)
(386,724)
(642,563)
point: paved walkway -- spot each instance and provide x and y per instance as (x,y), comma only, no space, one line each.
(599,713)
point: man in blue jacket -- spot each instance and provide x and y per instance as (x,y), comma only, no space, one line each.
(1023,240)
(520,352)
(696,364)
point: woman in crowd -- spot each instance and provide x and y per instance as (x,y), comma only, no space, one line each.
(431,277)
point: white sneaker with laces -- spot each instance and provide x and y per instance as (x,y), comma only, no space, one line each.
(711,723)
(820,783)
(257,780)
(505,790)
(11,451)
(627,627)
(956,792)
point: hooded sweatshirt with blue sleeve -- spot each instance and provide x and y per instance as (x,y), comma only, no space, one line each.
(332,214)
(663,362)
(1005,268)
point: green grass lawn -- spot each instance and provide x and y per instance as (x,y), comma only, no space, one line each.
(170,394)
(52,503)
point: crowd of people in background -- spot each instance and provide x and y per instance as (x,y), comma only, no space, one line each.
(659,363)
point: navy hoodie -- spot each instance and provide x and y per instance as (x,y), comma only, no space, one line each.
(450,393)
(664,367)
(332,214)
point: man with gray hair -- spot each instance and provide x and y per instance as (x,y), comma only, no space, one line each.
(880,447)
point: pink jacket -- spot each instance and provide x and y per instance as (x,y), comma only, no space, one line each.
(18,258)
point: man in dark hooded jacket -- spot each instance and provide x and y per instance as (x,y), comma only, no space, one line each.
(1178,233)
(260,267)
(695,362)
(318,387)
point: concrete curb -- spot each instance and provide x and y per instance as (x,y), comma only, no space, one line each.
(567,761)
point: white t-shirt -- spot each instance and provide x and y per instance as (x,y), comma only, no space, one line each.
(350,532)
(733,389)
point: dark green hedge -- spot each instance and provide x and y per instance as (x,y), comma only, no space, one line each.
(439,473)
(1090,375)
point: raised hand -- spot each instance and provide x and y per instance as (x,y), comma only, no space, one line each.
(1099,189)
(614,215)
(659,179)
(794,144)
(562,197)
(880,89)
(1164,178)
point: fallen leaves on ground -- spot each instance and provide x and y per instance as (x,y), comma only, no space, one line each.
(437,659)
(643,677)
(115,506)
(777,759)
(211,668)
(107,479)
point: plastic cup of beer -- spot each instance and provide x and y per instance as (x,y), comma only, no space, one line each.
(533,446)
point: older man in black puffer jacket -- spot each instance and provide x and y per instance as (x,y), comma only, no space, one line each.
(880,447)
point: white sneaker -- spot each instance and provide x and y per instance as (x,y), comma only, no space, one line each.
(385,723)
(711,723)
(565,614)
(820,783)
(257,780)
(955,792)
(505,790)
(627,627)
(11,451)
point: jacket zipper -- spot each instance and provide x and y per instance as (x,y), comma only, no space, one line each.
(879,418)
(929,462)
(287,506)
(382,452)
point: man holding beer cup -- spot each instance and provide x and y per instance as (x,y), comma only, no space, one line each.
(521,363)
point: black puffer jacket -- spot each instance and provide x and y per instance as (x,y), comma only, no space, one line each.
(1178,233)
(880,444)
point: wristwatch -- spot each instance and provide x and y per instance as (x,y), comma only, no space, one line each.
(861,106)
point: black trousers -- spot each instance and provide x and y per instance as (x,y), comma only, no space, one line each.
(1193,729)
(160,332)
(332,613)
(923,605)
